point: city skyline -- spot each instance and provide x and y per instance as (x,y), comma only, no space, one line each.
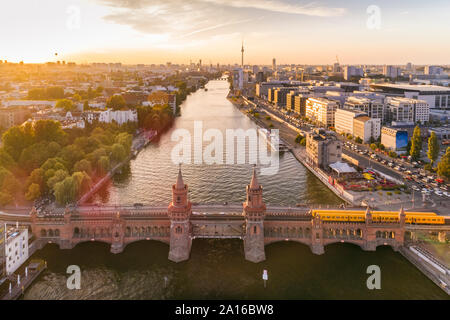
(296,32)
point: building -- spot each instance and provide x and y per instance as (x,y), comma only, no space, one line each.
(121,117)
(238,79)
(399,110)
(2,250)
(391,72)
(10,117)
(373,107)
(274,64)
(262,89)
(16,248)
(343,120)
(322,150)
(437,97)
(352,71)
(290,101)
(366,128)
(321,110)
(280,95)
(407,110)
(300,104)
(433,70)
(395,139)
(162,98)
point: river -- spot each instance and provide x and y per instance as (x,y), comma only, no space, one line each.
(217,269)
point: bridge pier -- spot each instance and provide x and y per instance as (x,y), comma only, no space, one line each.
(117,247)
(254,243)
(65,244)
(317,249)
(369,246)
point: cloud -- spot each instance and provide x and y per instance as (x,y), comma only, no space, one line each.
(189,20)
(283,7)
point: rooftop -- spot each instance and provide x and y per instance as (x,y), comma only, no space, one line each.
(412,87)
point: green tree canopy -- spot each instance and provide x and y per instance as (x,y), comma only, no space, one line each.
(416,144)
(443,168)
(65,104)
(34,192)
(116,102)
(433,148)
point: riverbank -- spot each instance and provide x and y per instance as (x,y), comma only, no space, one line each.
(435,275)
(287,136)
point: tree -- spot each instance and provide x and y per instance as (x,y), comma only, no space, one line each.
(443,168)
(116,102)
(118,153)
(416,144)
(103,165)
(6,160)
(433,148)
(49,130)
(34,192)
(5,198)
(58,176)
(65,104)
(83,166)
(392,154)
(66,191)
(15,139)
(373,146)
(358,140)
(86,106)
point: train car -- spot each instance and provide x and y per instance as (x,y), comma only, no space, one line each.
(379,216)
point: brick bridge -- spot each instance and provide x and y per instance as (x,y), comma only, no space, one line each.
(181,222)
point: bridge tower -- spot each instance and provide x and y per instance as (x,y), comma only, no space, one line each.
(254,212)
(370,243)
(179,211)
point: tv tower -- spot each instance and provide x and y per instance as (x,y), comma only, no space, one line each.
(242,59)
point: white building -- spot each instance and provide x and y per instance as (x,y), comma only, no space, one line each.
(407,110)
(433,70)
(352,71)
(29,103)
(391,71)
(16,248)
(120,116)
(343,120)
(238,79)
(373,107)
(366,128)
(321,110)
(437,97)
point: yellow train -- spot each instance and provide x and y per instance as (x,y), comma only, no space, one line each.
(380,216)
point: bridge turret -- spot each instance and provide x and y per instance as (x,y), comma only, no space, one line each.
(254,212)
(179,212)
(402,216)
(368,216)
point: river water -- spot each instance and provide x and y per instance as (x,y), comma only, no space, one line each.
(217,269)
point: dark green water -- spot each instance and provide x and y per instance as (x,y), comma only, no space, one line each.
(217,269)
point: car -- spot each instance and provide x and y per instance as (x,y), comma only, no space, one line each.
(439,193)
(416,188)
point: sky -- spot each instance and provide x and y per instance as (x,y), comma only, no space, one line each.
(180,31)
